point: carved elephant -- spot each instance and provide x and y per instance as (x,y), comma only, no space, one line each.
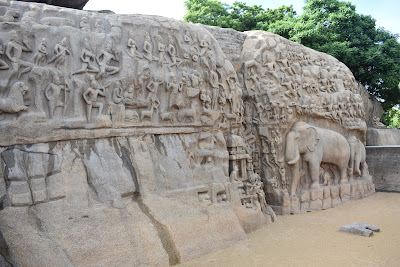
(315,145)
(357,164)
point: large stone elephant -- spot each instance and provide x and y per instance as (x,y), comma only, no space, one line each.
(315,145)
(357,164)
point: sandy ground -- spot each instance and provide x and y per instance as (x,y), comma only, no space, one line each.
(312,239)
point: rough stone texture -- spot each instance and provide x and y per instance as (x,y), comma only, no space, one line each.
(130,140)
(362,229)
(231,42)
(133,204)
(307,113)
(383,163)
(383,136)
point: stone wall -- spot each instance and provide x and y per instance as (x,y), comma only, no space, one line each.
(383,163)
(138,140)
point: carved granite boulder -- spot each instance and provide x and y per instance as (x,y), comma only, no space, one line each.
(131,140)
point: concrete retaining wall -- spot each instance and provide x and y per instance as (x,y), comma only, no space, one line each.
(383,163)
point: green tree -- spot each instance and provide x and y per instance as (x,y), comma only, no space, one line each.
(330,26)
(237,16)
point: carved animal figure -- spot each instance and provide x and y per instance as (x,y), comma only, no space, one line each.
(167,116)
(14,103)
(188,113)
(10,15)
(315,145)
(357,157)
(148,113)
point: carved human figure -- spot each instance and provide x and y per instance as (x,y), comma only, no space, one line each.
(152,87)
(175,96)
(98,26)
(196,79)
(117,108)
(41,53)
(61,51)
(172,52)
(104,60)
(14,53)
(194,52)
(14,102)
(87,58)
(215,88)
(132,47)
(258,188)
(206,54)
(3,64)
(147,48)
(143,78)
(162,59)
(90,96)
(53,93)
(84,24)
(235,95)
(28,20)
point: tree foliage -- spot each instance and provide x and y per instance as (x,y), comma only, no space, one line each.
(237,16)
(330,26)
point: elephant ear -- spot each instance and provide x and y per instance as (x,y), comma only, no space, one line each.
(312,138)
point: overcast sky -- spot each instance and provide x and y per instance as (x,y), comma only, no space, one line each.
(386,12)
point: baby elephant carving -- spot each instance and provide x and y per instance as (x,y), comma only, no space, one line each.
(357,164)
(315,145)
(14,102)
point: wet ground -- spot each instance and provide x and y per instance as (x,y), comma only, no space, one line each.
(312,239)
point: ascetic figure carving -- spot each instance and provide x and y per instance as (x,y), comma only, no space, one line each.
(315,145)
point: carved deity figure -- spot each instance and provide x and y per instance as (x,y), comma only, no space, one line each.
(104,60)
(87,57)
(132,47)
(90,96)
(60,53)
(53,92)
(41,53)
(175,89)
(14,53)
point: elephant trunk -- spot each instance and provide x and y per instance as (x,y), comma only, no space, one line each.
(292,153)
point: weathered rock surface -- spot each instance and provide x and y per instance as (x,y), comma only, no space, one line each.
(383,136)
(383,163)
(130,140)
(362,229)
